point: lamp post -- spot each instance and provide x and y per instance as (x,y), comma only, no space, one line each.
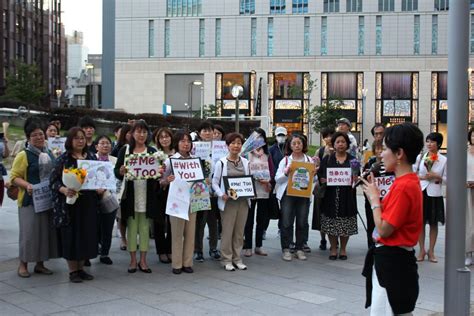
(58,94)
(364,100)
(202,102)
(237,91)
(191,85)
(91,83)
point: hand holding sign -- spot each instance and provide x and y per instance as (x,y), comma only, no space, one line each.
(237,187)
(142,166)
(187,169)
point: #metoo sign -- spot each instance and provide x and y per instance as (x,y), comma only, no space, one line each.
(142,166)
(384,184)
(187,169)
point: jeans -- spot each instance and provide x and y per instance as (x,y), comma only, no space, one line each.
(209,217)
(294,207)
(262,223)
(106,225)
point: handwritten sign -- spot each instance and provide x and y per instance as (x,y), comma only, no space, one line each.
(300,179)
(237,187)
(100,175)
(142,166)
(339,176)
(187,169)
(202,150)
(219,150)
(200,197)
(384,184)
(178,201)
(42,200)
(258,168)
(56,145)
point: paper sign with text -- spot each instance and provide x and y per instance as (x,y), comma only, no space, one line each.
(179,196)
(42,200)
(237,187)
(100,175)
(202,150)
(187,169)
(384,184)
(200,197)
(219,150)
(339,176)
(56,145)
(142,166)
(300,179)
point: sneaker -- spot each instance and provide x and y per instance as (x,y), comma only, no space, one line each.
(292,247)
(323,245)
(229,267)
(306,248)
(259,251)
(287,255)
(215,254)
(241,266)
(300,255)
(199,257)
(106,260)
(248,252)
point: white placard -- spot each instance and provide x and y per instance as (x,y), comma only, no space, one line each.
(100,175)
(142,166)
(56,145)
(339,176)
(187,169)
(42,200)
(384,184)
(178,199)
(202,150)
(219,150)
(237,187)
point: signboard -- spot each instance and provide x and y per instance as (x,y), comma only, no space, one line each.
(187,169)
(56,145)
(339,176)
(142,166)
(179,196)
(236,187)
(42,200)
(300,179)
(200,197)
(384,184)
(202,150)
(219,150)
(258,168)
(100,175)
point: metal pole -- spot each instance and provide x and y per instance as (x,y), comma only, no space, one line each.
(202,103)
(456,276)
(237,114)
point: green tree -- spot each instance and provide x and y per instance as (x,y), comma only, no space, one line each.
(209,110)
(24,84)
(325,115)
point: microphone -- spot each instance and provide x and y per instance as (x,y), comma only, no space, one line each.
(375,169)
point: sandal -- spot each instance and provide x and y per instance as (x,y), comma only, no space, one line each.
(43,270)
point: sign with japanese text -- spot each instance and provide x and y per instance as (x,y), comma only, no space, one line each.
(202,150)
(339,176)
(42,200)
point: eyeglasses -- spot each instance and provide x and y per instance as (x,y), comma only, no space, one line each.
(103,144)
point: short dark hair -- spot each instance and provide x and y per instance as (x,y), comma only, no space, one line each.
(139,124)
(377,125)
(86,121)
(156,136)
(205,125)
(233,136)
(340,134)
(220,129)
(435,137)
(118,127)
(469,135)
(406,136)
(377,144)
(98,138)
(70,136)
(179,136)
(32,124)
(54,125)
(301,137)
(326,131)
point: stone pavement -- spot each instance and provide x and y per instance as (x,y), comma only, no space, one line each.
(270,286)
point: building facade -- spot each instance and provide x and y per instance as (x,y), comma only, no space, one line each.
(32,32)
(386,60)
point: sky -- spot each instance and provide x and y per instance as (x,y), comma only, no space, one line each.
(84,16)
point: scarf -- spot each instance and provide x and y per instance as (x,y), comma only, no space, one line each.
(44,161)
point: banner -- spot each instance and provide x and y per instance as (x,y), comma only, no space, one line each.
(237,187)
(42,200)
(300,179)
(339,176)
(200,197)
(56,145)
(100,175)
(384,184)
(187,169)
(142,166)
(219,150)
(178,199)
(202,150)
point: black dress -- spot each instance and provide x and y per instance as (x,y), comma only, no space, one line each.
(77,222)
(339,204)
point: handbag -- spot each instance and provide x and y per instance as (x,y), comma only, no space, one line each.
(108,203)
(12,192)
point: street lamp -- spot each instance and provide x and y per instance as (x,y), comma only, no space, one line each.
(191,85)
(237,91)
(58,94)
(202,102)
(91,83)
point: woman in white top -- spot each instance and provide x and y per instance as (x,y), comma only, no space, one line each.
(470,198)
(431,169)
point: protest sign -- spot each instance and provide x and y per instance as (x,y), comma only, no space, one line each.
(237,187)
(300,179)
(187,169)
(202,150)
(177,204)
(384,184)
(200,197)
(100,175)
(339,176)
(42,200)
(219,150)
(56,145)
(258,168)
(142,166)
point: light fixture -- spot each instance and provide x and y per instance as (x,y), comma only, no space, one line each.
(197,82)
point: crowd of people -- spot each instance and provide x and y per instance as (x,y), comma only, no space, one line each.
(396,212)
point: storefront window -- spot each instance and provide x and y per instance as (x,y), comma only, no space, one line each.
(224,99)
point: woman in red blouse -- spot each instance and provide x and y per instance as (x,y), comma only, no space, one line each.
(392,283)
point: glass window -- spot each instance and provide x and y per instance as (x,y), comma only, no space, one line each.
(378,35)
(472,34)
(409,5)
(416,35)
(396,86)
(441,5)
(231,79)
(434,35)
(270,37)
(342,85)
(288,85)
(354,6)
(324,35)
(202,35)
(331,5)
(277,7)
(361,35)
(218,37)
(306,36)
(472,5)
(300,6)
(247,7)
(151,38)
(253,37)
(167,38)
(184,8)
(386,5)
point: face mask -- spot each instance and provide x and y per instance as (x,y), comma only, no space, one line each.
(281,139)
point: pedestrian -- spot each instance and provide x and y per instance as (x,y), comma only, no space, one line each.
(233,211)
(292,207)
(431,168)
(77,222)
(139,203)
(470,198)
(377,133)
(117,130)
(88,126)
(4,153)
(52,131)
(345,126)
(38,237)
(219,135)
(390,267)
(339,205)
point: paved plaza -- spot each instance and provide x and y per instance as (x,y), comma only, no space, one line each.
(270,286)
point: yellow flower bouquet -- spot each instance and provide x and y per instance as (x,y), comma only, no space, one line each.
(74,178)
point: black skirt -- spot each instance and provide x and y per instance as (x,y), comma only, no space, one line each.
(433,209)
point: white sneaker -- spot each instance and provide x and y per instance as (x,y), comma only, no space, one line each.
(229,267)
(241,266)
(300,255)
(468,261)
(287,255)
